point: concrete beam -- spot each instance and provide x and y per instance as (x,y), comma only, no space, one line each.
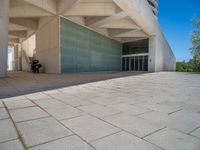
(124,23)
(92,9)
(27,11)
(100,22)
(135,10)
(19,34)
(16,27)
(27,23)
(49,6)
(132,33)
(116,32)
(4,19)
(125,40)
(65,5)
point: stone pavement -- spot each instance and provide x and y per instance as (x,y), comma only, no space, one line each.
(156,111)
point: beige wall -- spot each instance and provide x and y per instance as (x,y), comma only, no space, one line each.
(4,13)
(159,49)
(47,44)
(27,51)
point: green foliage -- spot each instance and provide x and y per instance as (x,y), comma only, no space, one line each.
(195,50)
(194,64)
(185,66)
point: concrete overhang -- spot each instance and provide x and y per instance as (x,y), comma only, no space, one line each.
(122,20)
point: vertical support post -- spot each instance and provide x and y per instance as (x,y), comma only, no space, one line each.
(16,57)
(4,17)
(152,54)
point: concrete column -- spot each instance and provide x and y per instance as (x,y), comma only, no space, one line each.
(152,54)
(19,57)
(4,18)
(16,58)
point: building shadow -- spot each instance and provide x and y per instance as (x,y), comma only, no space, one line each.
(21,83)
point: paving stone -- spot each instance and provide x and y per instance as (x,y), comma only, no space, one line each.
(14,98)
(42,130)
(135,125)
(196,132)
(123,141)
(64,112)
(36,96)
(3,113)
(90,128)
(68,143)
(44,103)
(73,100)
(28,113)
(98,111)
(158,107)
(1,104)
(14,104)
(171,121)
(52,92)
(104,100)
(174,140)
(11,145)
(130,109)
(7,130)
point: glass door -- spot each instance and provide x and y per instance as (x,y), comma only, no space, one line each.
(135,63)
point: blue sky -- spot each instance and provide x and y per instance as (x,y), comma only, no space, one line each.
(175,19)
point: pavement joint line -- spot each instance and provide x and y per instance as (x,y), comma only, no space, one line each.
(175,111)
(112,124)
(64,126)
(78,136)
(131,133)
(18,122)
(14,125)
(9,140)
(50,141)
(138,115)
(153,132)
(70,118)
(105,136)
(20,108)
(4,118)
(194,129)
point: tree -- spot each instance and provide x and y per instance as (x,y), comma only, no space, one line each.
(195,50)
(185,66)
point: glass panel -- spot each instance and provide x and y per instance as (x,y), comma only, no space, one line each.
(123,64)
(140,63)
(136,63)
(132,64)
(145,63)
(127,64)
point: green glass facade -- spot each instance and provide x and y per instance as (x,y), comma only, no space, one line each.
(83,50)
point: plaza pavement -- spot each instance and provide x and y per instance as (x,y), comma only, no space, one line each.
(154,111)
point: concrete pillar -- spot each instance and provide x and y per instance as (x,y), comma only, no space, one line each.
(16,57)
(19,57)
(152,54)
(4,18)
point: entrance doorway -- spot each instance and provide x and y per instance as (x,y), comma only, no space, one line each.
(135,62)
(135,56)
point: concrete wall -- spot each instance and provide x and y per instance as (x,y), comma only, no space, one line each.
(83,50)
(4,14)
(47,44)
(27,48)
(161,55)
(165,60)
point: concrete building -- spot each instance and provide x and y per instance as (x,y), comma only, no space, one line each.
(84,35)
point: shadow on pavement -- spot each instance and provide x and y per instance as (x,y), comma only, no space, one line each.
(21,83)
